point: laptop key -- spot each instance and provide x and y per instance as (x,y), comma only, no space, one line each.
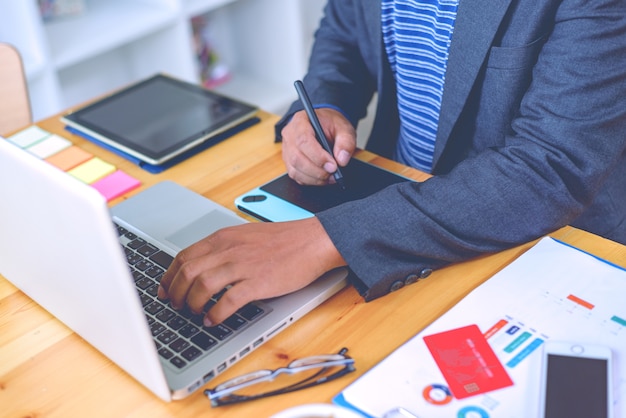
(154,271)
(167,337)
(143,265)
(137,275)
(154,308)
(130,235)
(250,311)
(147,250)
(152,290)
(165,353)
(165,315)
(191,316)
(191,353)
(136,242)
(144,283)
(203,340)
(178,362)
(188,330)
(235,322)
(145,299)
(156,329)
(179,345)
(133,258)
(162,259)
(176,322)
(197,320)
(219,331)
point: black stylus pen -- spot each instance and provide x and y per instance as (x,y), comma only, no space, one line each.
(317,127)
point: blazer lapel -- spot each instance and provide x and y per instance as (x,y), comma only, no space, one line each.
(475,27)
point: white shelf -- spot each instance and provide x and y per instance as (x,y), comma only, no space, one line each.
(34,66)
(264,43)
(102,28)
(197,7)
(19,29)
(275,97)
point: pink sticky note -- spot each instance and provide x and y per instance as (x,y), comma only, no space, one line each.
(115,185)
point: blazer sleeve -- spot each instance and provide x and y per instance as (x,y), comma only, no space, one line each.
(567,138)
(340,74)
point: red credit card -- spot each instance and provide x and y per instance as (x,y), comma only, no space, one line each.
(467,361)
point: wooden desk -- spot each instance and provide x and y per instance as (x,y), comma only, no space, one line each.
(48,371)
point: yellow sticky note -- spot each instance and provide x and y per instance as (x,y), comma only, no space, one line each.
(92,170)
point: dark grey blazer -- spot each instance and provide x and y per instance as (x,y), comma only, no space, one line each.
(532,133)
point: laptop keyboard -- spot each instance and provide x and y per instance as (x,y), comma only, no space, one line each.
(180,336)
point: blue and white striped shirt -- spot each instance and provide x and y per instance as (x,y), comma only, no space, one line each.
(417,35)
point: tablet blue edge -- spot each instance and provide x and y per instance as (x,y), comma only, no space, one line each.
(155,169)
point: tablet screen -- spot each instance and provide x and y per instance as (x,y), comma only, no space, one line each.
(160,117)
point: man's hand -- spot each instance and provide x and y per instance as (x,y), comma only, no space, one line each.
(306,160)
(259,260)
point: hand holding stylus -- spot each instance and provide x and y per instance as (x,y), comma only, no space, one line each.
(317,127)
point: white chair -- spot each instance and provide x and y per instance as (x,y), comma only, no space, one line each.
(15,112)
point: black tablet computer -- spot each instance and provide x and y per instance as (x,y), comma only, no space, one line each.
(282,199)
(158,118)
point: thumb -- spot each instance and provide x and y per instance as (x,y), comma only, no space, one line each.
(345,144)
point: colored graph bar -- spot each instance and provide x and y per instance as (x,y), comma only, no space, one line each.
(497,327)
(619,320)
(525,352)
(517,342)
(580,301)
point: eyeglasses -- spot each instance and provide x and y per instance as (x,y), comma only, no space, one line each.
(299,374)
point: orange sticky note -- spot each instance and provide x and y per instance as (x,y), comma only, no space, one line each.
(69,158)
(92,170)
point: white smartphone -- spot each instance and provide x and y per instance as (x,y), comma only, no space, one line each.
(576,380)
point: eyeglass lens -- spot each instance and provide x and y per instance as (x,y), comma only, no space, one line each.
(298,374)
(286,380)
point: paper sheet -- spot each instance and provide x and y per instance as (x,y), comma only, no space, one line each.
(552,291)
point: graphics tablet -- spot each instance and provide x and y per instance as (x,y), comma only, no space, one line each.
(282,199)
(158,118)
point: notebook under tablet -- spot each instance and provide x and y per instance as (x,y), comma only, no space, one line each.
(282,199)
(59,246)
(159,118)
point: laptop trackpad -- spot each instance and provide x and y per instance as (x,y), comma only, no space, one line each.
(201,228)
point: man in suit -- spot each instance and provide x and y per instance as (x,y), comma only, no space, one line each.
(530,136)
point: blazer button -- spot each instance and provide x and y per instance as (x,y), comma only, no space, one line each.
(411,278)
(425,273)
(397,285)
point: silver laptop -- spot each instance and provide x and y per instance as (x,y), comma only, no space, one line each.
(60,244)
